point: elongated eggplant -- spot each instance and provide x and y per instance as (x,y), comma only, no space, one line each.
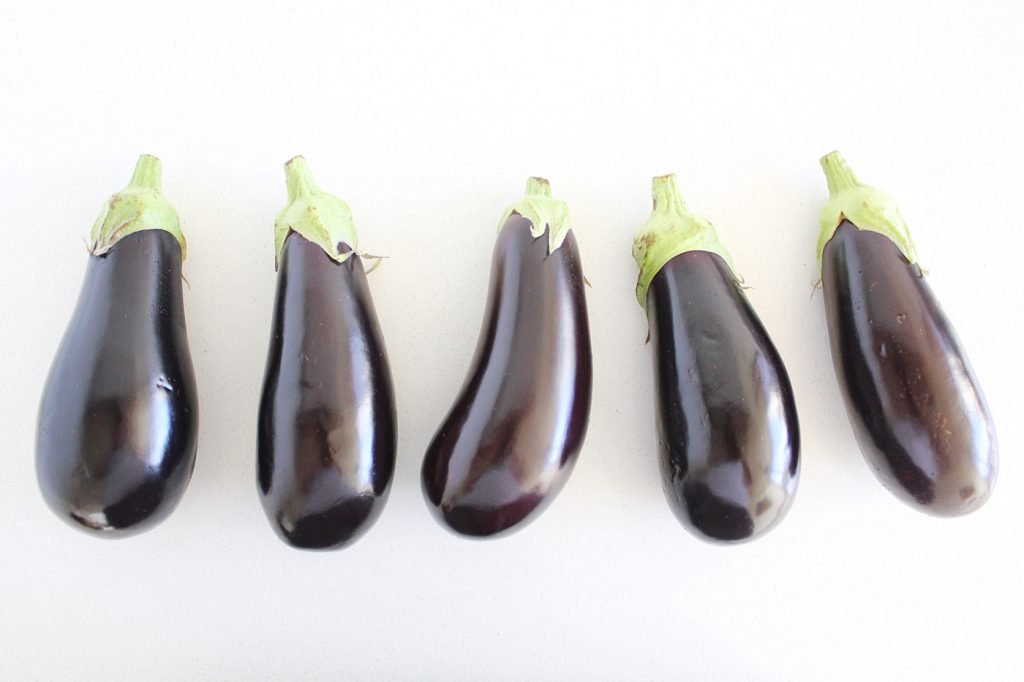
(511,439)
(116,439)
(728,438)
(327,412)
(916,408)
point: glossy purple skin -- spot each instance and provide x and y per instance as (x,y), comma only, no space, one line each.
(116,440)
(728,436)
(326,440)
(914,403)
(510,441)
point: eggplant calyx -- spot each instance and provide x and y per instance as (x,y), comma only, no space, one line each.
(543,212)
(139,206)
(866,207)
(670,231)
(319,217)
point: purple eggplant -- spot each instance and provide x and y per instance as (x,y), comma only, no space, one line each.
(916,408)
(728,437)
(326,439)
(116,439)
(510,441)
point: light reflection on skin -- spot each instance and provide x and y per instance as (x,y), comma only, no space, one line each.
(726,479)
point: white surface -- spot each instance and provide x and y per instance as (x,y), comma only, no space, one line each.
(428,122)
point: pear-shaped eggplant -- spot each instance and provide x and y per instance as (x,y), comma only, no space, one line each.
(727,427)
(916,408)
(327,414)
(116,439)
(512,437)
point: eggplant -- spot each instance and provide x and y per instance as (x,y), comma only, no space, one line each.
(915,405)
(511,439)
(116,438)
(326,437)
(727,429)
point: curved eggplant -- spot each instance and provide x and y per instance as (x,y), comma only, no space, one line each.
(510,441)
(728,437)
(326,441)
(116,439)
(914,403)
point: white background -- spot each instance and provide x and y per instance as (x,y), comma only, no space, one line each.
(427,121)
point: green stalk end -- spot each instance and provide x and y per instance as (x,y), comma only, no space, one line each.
(665,194)
(670,231)
(538,187)
(868,208)
(543,212)
(299,178)
(838,173)
(139,206)
(148,173)
(319,217)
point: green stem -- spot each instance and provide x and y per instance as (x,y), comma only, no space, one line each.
(838,173)
(139,206)
(299,178)
(538,187)
(670,231)
(148,173)
(321,218)
(666,195)
(543,212)
(868,208)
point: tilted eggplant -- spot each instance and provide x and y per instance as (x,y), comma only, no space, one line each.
(915,405)
(510,441)
(728,438)
(327,413)
(116,439)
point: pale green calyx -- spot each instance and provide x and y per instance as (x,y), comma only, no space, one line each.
(866,207)
(139,206)
(542,211)
(671,230)
(319,217)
